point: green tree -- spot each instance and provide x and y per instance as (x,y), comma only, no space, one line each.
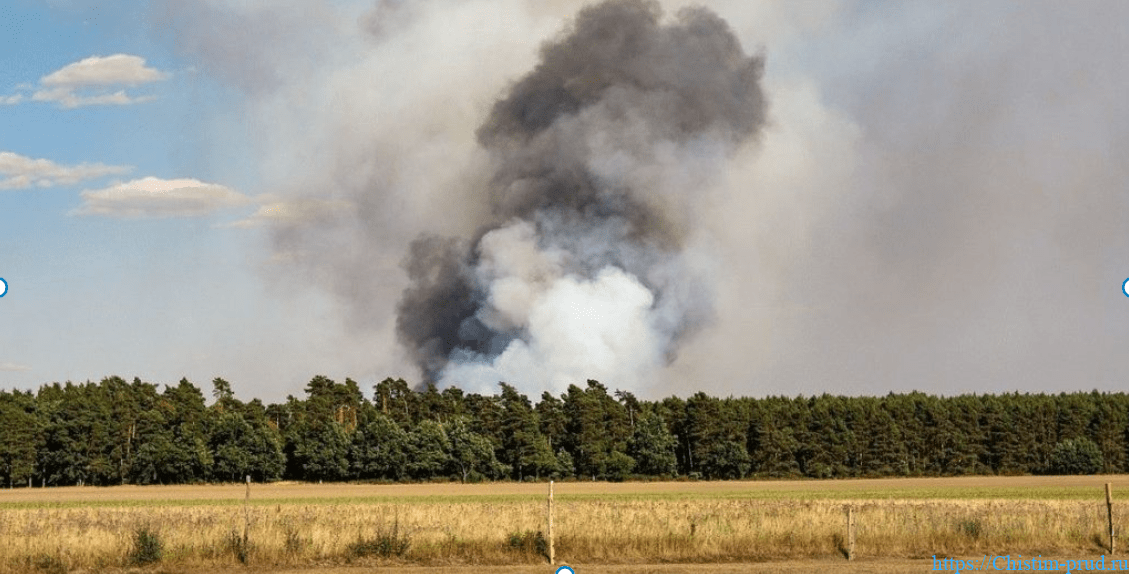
(379,448)
(428,448)
(1075,413)
(471,454)
(18,437)
(127,404)
(79,436)
(221,392)
(772,440)
(969,446)
(672,410)
(173,443)
(1004,448)
(551,415)
(242,440)
(1107,429)
(395,399)
(319,450)
(597,426)
(630,404)
(241,448)
(1076,456)
(524,448)
(64,425)
(486,414)
(825,446)
(436,406)
(717,432)
(318,439)
(652,446)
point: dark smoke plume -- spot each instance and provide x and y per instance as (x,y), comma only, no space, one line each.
(585,267)
(938,203)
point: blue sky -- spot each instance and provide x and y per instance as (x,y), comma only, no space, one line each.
(227,188)
(139,288)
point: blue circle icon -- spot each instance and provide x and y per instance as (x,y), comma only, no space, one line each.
(565,570)
(3,287)
(1124,287)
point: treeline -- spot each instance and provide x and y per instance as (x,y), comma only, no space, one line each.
(116,432)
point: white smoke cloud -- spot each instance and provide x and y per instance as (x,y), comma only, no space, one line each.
(935,202)
(515,272)
(576,329)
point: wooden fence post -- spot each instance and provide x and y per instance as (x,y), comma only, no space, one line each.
(850,533)
(552,556)
(246,511)
(1109,510)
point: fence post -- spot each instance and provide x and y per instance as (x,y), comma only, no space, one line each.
(850,532)
(246,511)
(1109,510)
(552,556)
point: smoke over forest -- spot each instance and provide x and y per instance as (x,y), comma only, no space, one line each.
(587,266)
(892,198)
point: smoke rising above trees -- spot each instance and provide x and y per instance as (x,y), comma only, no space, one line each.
(597,156)
(930,202)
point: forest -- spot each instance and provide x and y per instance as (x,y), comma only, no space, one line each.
(119,432)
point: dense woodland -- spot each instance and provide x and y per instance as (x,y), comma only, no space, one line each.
(115,432)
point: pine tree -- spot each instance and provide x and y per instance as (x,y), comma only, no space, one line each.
(471,454)
(652,446)
(18,437)
(428,451)
(379,448)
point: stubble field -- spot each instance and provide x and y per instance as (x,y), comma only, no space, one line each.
(607,527)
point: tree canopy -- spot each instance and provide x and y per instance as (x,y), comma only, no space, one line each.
(116,432)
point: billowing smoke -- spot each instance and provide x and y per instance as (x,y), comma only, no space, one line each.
(590,264)
(938,202)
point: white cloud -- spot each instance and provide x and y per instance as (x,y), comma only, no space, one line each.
(97,80)
(293,212)
(152,197)
(118,69)
(13,368)
(20,172)
(69,99)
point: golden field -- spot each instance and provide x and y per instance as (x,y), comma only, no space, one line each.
(301,525)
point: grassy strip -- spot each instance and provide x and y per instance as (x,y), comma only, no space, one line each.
(971,493)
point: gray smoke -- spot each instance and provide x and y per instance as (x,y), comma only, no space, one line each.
(938,202)
(585,266)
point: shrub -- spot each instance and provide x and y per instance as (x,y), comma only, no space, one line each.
(147,546)
(970,528)
(294,541)
(50,564)
(619,465)
(238,545)
(529,542)
(385,543)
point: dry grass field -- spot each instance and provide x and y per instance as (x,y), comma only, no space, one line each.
(298,526)
(827,566)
